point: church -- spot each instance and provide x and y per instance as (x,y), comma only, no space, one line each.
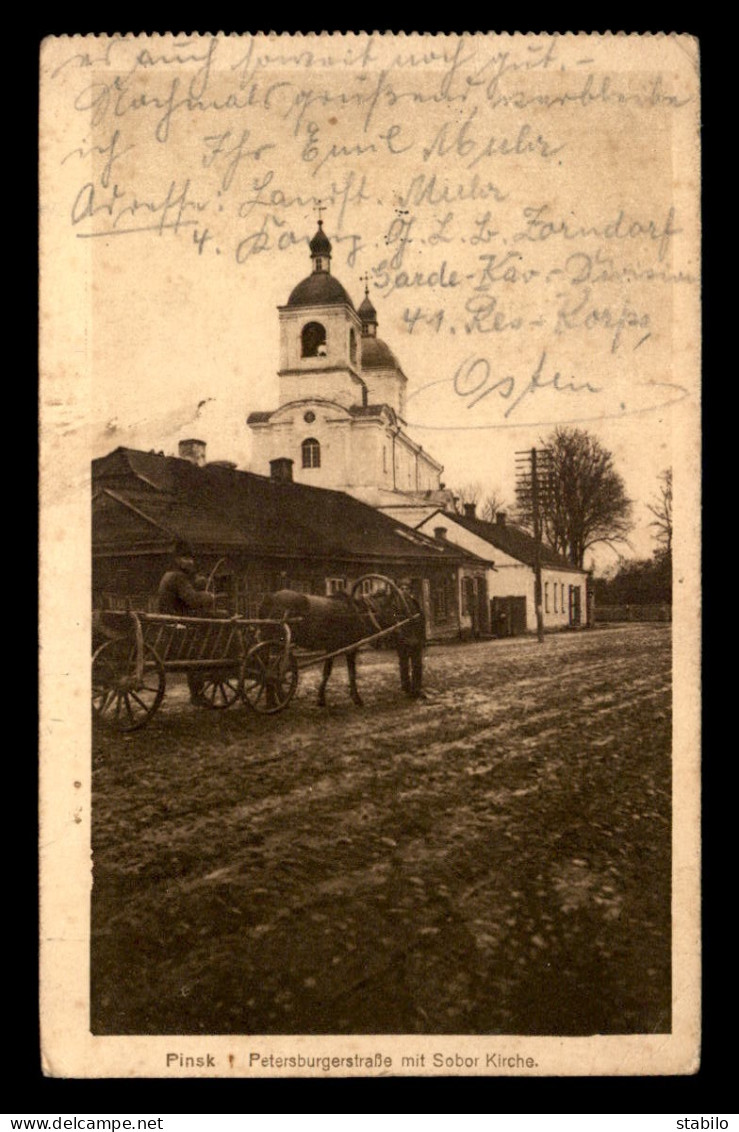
(340,419)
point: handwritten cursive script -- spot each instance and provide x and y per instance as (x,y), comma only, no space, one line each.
(474,380)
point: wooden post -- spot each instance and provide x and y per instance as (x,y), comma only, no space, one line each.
(537,547)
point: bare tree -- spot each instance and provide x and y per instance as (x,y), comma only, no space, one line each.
(661,508)
(582,498)
(487,500)
(492,503)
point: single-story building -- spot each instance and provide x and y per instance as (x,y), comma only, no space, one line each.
(510,584)
(259,534)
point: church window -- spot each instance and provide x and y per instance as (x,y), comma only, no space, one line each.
(311,451)
(352,346)
(313,340)
(309,417)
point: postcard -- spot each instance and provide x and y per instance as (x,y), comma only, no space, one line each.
(370,520)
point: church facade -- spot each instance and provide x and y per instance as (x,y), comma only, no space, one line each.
(340,417)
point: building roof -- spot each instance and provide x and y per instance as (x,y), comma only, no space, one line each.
(319,289)
(215,507)
(378,410)
(512,540)
(376,354)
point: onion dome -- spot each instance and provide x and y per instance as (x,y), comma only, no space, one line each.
(376,354)
(320,245)
(368,315)
(319,290)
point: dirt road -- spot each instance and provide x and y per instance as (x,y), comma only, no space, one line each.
(493,860)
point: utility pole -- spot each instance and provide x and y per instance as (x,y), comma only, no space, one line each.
(536,518)
(531,467)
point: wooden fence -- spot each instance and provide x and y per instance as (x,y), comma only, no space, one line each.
(605,614)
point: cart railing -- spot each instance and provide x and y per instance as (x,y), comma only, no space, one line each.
(186,643)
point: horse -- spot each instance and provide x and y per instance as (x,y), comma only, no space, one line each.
(327,624)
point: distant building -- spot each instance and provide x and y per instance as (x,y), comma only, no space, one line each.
(510,584)
(258,534)
(342,394)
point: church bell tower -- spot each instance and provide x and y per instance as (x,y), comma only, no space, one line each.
(320,334)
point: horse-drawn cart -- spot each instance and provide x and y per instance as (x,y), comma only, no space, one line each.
(229,660)
(225,656)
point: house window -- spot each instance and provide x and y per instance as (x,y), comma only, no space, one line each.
(313,340)
(311,452)
(335,585)
(440,601)
(555,597)
(546,597)
(562,597)
(352,346)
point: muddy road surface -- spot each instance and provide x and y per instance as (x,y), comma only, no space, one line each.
(495,859)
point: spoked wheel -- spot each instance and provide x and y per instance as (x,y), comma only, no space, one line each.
(222,687)
(270,678)
(120,698)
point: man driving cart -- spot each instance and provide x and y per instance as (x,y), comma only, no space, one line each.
(182,593)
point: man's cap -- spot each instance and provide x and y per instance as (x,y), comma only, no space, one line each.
(183,550)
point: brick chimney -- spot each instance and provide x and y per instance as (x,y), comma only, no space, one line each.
(500,518)
(469,510)
(192,450)
(440,534)
(281,469)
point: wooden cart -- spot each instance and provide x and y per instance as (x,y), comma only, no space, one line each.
(134,651)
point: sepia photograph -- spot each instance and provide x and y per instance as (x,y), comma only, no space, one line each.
(370,519)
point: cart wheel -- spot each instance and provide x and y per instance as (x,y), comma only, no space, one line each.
(119,699)
(222,688)
(270,678)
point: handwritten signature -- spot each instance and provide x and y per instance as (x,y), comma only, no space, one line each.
(474,381)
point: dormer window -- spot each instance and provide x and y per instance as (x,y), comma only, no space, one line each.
(313,340)
(311,452)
